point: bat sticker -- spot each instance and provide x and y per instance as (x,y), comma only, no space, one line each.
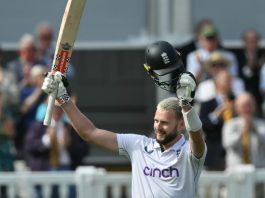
(63,58)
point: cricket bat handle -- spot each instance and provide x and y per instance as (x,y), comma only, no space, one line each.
(50,106)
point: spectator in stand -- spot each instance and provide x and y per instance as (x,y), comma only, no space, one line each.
(206,89)
(60,140)
(54,147)
(37,146)
(77,147)
(22,66)
(7,150)
(44,35)
(59,136)
(244,135)
(31,96)
(8,86)
(37,150)
(214,113)
(209,42)
(194,43)
(42,148)
(250,60)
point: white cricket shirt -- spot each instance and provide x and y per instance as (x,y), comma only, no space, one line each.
(170,174)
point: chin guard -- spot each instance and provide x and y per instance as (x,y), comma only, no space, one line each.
(168,81)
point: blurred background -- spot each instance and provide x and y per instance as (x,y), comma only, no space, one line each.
(219,41)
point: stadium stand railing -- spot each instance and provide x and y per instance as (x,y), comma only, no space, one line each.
(98,183)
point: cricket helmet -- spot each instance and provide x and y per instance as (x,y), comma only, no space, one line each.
(162,61)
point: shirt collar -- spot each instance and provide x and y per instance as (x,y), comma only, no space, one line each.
(174,147)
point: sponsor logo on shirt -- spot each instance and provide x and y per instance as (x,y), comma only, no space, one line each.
(148,151)
(161,173)
(178,152)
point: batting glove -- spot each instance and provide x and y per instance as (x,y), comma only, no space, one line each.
(52,83)
(186,88)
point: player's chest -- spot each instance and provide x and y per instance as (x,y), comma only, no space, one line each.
(157,156)
(163,165)
(155,160)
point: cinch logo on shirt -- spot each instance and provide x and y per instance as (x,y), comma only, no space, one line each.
(157,172)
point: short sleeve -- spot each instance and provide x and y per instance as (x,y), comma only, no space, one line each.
(197,163)
(127,143)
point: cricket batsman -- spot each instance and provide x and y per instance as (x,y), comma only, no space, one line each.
(167,166)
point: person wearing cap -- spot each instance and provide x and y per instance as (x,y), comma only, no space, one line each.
(206,90)
(193,44)
(250,58)
(214,113)
(209,43)
(30,97)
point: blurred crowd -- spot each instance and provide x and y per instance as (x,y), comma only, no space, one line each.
(230,96)
(230,99)
(23,137)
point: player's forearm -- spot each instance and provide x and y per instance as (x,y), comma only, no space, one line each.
(193,126)
(191,119)
(82,125)
(197,143)
(186,108)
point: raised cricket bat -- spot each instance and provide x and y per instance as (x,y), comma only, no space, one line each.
(64,46)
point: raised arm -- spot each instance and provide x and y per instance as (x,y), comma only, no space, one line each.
(82,125)
(185,93)
(194,128)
